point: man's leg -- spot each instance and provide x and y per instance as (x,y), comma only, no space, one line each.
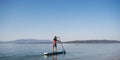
(56,48)
(53,48)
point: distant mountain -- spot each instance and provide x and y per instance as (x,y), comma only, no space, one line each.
(93,41)
(27,41)
(35,41)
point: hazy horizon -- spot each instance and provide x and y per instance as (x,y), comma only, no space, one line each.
(61,40)
(69,19)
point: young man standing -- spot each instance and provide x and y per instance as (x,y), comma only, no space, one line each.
(55,43)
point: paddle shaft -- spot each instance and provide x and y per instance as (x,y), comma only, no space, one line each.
(61,44)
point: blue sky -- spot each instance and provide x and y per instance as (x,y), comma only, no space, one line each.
(69,19)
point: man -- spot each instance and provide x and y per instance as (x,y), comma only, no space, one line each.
(55,43)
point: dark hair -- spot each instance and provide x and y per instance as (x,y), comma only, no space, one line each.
(55,38)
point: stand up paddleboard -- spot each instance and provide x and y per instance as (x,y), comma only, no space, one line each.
(55,53)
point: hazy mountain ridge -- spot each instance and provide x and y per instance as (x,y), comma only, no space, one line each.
(93,41)
(36,41)
(27,41)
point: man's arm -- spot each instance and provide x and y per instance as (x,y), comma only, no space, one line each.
(59,41)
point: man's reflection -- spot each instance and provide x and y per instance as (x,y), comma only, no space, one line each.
(54,57)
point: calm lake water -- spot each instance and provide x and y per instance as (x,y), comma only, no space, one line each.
(74,52)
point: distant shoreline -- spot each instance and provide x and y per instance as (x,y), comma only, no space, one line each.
(93,41)
(34,41)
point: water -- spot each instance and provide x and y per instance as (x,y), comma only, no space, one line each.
(74,52)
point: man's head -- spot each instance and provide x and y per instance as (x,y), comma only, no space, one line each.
(55,36)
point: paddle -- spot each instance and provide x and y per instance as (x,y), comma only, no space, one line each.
(62,45)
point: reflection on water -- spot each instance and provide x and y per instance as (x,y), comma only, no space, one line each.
(54,57)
